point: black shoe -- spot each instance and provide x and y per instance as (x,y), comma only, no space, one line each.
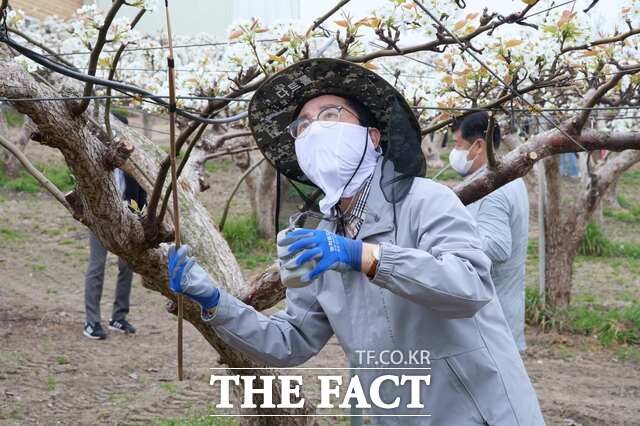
(94,331)
(122,326)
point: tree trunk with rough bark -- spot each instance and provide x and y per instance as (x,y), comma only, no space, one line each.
(565,225)
(96,203)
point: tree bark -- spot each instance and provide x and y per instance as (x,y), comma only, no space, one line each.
(121,231)
(565,225)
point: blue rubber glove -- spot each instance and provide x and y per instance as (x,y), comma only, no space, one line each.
(330,251)
(188,278)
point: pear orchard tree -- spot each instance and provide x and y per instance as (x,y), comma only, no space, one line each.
(541,71)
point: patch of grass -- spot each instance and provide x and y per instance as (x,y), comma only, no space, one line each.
(51,383)
(122,111)
(8,235)
(608,325)
(38,267)
(292,193)
(13,117)
(169,387)
(59,175)
(219,165)
(448,174)
(623,201)
(632,176)
(630,214)
(247,245)
(61,360)
(628,353)
(198,419)
(595,243)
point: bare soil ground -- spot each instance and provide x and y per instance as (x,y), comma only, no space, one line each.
(51,374)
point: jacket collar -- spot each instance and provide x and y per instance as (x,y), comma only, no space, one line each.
(379,217)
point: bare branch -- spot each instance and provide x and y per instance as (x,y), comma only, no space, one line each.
(606,40)
(224,153)
(492,163)
(519,161)
(594,98)
(500,101)
(42,179)
(320,20)
(82,106)
(440,40)
(247,172)
(218,142)
(41,46)
(112,74)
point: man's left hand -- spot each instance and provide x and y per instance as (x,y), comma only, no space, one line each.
(330,251)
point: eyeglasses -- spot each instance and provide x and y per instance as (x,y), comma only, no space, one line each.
(327,117)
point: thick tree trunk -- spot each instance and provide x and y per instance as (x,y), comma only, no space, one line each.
(565,225)
(97,204)
(559,251)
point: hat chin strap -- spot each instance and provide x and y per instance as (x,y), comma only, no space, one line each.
(337,208)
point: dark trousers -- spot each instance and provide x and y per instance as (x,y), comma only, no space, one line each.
(94,281)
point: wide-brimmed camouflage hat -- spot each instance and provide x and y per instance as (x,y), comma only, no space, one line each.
(275,103)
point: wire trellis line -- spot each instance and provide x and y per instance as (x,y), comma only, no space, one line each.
(181,46)
(120,97)
(419,108)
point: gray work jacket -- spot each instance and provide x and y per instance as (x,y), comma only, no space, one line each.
(432,291)
(502,218)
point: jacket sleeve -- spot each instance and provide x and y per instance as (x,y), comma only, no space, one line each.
(494,226)
(287,338)
(447,272)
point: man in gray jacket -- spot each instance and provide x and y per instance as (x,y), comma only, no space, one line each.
(502,218)
(396,264)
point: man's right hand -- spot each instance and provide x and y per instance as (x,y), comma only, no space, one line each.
(188,278)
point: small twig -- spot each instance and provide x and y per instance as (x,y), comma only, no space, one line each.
(82,106)
(320,20)
(112,74)
(218,142)
(606,40)
(42,179)
(107,104)
(491,156)
(42,46)
(183,163)
(595,98)
(247,172)
(222,154)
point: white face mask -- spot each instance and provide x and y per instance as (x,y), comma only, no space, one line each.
(329,156)
(459,162)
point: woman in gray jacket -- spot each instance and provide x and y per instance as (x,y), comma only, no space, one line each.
(395,266)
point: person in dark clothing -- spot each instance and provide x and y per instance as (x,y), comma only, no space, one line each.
(129,191)
(94,278)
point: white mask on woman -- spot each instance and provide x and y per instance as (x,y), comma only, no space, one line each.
(329,156)
(459,162)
